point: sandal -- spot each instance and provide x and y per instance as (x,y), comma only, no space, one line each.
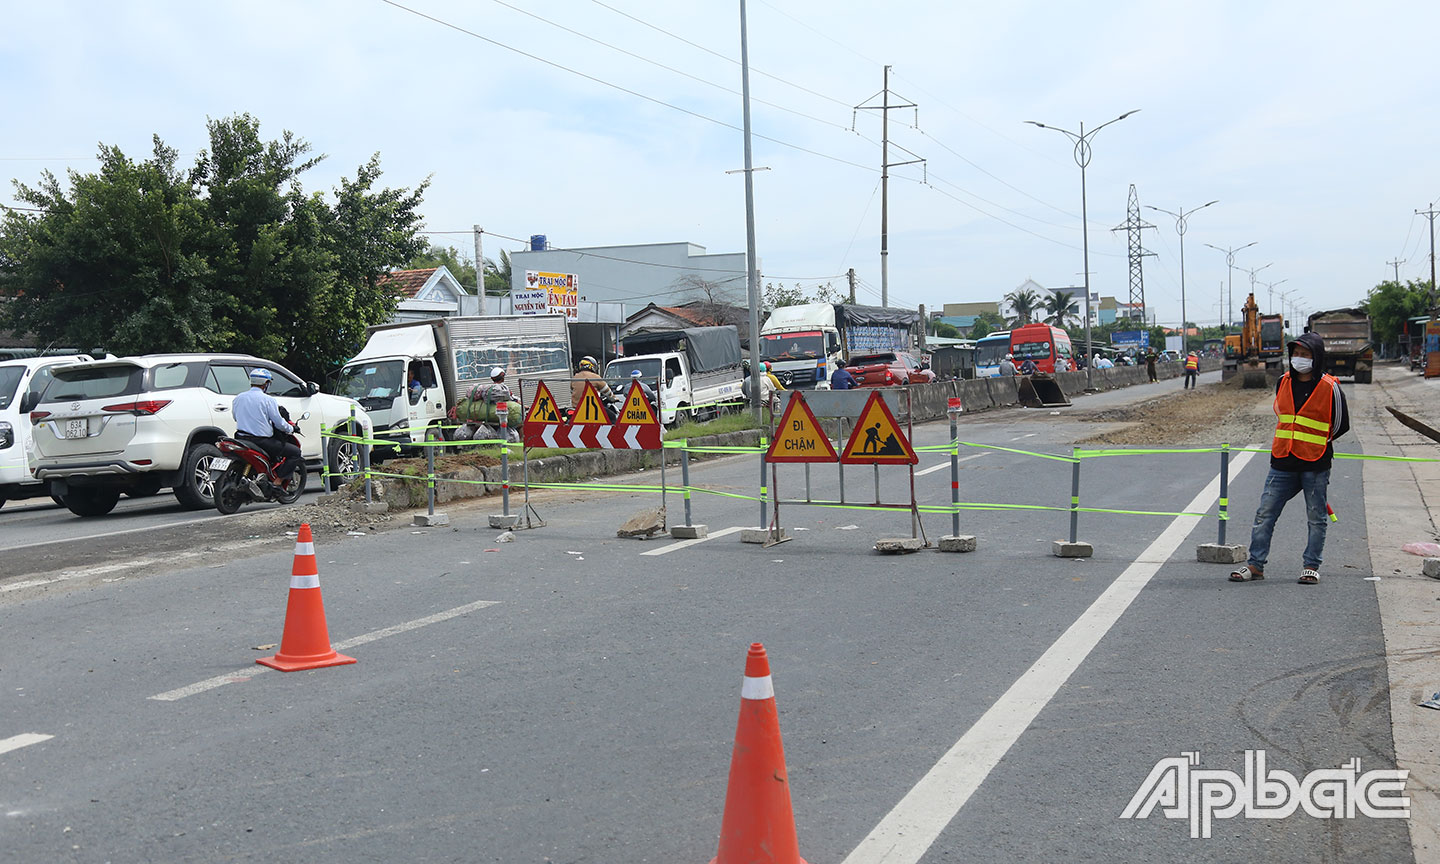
(1246,574)
(1309,577)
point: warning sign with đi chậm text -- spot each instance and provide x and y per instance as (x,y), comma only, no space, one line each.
(798,436)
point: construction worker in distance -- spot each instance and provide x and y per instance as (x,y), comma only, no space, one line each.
(842,379)
(498,391)
(259,421)
(1007,366)
(1192,369)
(1310,413)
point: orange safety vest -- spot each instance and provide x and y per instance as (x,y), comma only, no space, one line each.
(1306,433)
(1192,363)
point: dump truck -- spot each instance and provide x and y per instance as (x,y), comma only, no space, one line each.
(1348,350)
(698,369)
(805,344)
(448,358)
(1251,357)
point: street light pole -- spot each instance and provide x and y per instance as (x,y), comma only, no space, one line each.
(1229,318)
(1252,277)
(1180,226)
(1270,287)
(1082,158)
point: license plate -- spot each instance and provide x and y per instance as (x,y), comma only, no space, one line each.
(219,463)
(77,428)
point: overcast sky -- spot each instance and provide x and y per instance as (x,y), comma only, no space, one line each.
(1314,124)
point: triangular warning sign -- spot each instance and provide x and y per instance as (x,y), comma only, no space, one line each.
(798,436)
(543,409)
(637,409)
(590,411)
(877,439)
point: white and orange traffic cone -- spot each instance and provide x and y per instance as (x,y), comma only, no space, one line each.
(758,826)
(306,641)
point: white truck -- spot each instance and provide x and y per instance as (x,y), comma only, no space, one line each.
(449,357)
(699,369)
(805,344)
(17,378)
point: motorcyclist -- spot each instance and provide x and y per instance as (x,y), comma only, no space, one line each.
(259,421)
(636,375)
(589,370)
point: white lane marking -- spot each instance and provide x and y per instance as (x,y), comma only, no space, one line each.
(681,544)
(1026,435)
(946,464)
(134,563)
(25,739)
(908,830)
(249,672)
(117,533)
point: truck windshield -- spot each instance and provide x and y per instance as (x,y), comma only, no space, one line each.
(373,385)
(9,380)
(793,346)
(617,374)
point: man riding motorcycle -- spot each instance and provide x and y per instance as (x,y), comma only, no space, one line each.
(259,421)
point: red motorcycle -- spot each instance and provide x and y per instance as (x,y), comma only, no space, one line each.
(243,475)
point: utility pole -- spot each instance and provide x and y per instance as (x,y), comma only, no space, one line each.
(479,269)
(851,276)
(1396,264)
(752,268)
(1430,214)
(1132,227)
(885,165)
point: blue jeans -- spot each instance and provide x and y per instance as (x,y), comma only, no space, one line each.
(1281,486)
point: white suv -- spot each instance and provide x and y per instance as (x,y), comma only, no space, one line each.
(17,378)
(115,425)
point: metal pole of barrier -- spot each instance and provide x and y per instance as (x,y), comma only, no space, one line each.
(1074,498)
(764,490)
(1224,489)
(503,409)
(807,481)
(364,456)
(685,478)
(429,477)
(954,474)
(841,429)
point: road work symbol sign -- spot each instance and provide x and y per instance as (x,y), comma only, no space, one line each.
(798,436)
(590,411)
(637,408)
(877,439)
(542,409)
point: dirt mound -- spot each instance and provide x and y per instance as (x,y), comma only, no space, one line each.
(1202,416)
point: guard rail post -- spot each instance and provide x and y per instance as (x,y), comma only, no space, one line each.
(1224,490)
(364,457)
(1074,548)
(685,481)
(955,542)
(504,519)
(1221,552)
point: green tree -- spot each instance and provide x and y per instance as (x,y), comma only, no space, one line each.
(1061,308)
(234,256)
(946,331)
(448,257)
(985,324)
(777,295)
(1390,304)
(497,275)
(1024,302)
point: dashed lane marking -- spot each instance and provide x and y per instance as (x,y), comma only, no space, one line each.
(946,464)
(248,672)
(1026,435)
(25,739)
(682,544)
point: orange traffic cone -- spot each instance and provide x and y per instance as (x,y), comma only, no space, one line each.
(306,642)
(758,826)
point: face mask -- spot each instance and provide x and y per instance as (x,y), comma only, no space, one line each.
(1302,364)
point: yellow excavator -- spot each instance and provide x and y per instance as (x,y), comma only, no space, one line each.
(1256,355)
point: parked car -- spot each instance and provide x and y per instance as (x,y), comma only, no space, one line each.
(103,428)
(889,370)
(17,378)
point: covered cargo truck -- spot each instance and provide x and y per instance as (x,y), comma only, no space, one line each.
(805,344)
(1348,350)
(698,369)
(450,358)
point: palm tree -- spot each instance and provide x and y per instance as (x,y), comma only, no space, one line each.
(1023,302)
(1061,307)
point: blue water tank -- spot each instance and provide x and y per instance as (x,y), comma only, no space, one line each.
(537,243)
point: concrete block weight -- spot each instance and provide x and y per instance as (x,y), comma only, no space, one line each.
(958,543)
(1066,549)
(1214,553)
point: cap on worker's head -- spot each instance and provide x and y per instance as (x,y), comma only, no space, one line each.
(496,372)
(1009,356)
(767,365)
(634,373)
(260,376)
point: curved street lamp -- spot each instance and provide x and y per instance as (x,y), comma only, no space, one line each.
(1180,226)
(1082,158)
(1229,318)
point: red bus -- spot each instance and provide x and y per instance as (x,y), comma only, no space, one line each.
(1041,343)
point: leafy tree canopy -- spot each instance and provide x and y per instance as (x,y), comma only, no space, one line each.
(233,255)
(450,258)
(1390,304)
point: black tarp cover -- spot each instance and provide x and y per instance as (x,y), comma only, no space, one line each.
(708,348)
(875,316)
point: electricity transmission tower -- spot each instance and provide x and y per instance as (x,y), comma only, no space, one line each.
(1132,227)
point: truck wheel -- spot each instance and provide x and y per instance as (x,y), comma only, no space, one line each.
(194,489)
(92,500)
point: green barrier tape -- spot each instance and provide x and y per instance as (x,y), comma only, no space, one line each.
(1013,450)
(1094,454)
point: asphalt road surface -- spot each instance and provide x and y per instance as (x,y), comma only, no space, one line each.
(572,697)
